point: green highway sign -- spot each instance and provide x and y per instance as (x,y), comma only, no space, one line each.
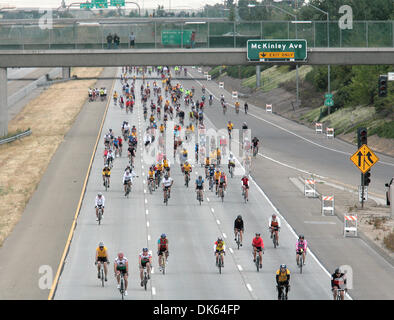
(118,3)
(100,3)
(328,96)
(174,37)
(328,102)
(276,50)
(87,5)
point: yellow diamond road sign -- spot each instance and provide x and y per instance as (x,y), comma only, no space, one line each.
(364,158)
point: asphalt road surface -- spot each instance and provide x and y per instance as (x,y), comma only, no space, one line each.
(129,224)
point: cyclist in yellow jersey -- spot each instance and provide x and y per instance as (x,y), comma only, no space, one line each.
(283,279)
(217,177)
(102,258)
(219,248)
(162,128)
(106,173)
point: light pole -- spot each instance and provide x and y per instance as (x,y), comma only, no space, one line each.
(296,34)
(328,45)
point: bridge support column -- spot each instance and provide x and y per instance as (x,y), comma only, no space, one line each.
(66,72)
(3,102)
(258,76)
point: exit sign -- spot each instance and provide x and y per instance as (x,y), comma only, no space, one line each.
(276,50)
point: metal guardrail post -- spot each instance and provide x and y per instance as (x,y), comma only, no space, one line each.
(366,33)
(16,137)
(234,35)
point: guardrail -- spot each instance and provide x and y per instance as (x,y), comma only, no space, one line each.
(16,137)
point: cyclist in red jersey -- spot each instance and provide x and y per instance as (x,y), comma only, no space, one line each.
(245,186)
(258,245)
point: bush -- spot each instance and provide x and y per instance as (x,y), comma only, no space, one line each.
(384,131)
(389,241)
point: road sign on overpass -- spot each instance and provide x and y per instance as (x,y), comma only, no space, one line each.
(277,50)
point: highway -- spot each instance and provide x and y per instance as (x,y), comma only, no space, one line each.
(131,224)
(296,146)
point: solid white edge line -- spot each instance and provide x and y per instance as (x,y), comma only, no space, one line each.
(231,250)
(146,211)
(212,210)
(207,199)
(149,237)
(249,287)
(147,223)
(217,221)
(239,267)
(224,235)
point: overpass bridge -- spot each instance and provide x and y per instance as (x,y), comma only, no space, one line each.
(67,43)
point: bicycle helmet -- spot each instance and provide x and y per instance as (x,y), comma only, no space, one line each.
(166,176)
(337,270)
(163,235)
(145,249)
(283,266)
(257,233)
(101,244)
(200,177)
(120,255)
(301,236)
(220,239)
(239,217)
(99,194)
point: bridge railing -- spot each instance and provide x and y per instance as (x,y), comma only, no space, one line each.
(207,34)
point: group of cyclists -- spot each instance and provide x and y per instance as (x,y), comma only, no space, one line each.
(159,174)
(95,93)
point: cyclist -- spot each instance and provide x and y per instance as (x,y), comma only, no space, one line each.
(283,279)
(151,174)
(237,106)
(210,99)
(211,175)
(115,97)
(238,227)
(102,257)
(274,226)
(231,161)
(301,245)
(207,164)
(161,128)
(338,281)
(258,246)
(121,265)
(218,156)
(106,174)
(246,107)
(110,157)
(167,183)
(222,98)
(162,246)
(217,176)
(187,168)
(184,155)
(128,179)
(255,143)
(145,261)
(200,187)
(166,164)
(244,126)
(158,172)
(219,248)
(99,203)
(223,181)
(230,127)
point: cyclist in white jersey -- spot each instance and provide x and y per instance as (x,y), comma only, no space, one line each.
(99,202)
(121,265)
(145,260)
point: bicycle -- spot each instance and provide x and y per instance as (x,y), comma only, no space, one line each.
(187,179)
(244,194)
(199,196)
(128,190)
(166,196)
(282,295)
(274,237)
(221,193)
(100,214)
(231,170)
(151,185)
(106,182)
(219,261)
(238,239)
(255,151)
(211,183)
(163,262)
(101,272)
(257,262)
(338,297)
(122,285)
(145,279)
(300,259)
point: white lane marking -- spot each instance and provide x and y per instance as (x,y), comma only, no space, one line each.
(153,270)
(231,250)
(249,287)
(146,201)
(153,291)
(144,190)
(147,211)
(148,237)
(147,224)
(142,167)
(217,221)
(207,199)
(213,211)
(239,267)
(143,174)
(144,181)
(292,133)
(224,235)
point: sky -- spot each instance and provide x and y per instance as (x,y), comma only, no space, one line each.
(175,4)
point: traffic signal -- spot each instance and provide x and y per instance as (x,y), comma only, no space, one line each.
(383,85)
(361,137)
(367,178)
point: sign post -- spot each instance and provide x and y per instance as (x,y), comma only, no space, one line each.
(267,50)
(364,159)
